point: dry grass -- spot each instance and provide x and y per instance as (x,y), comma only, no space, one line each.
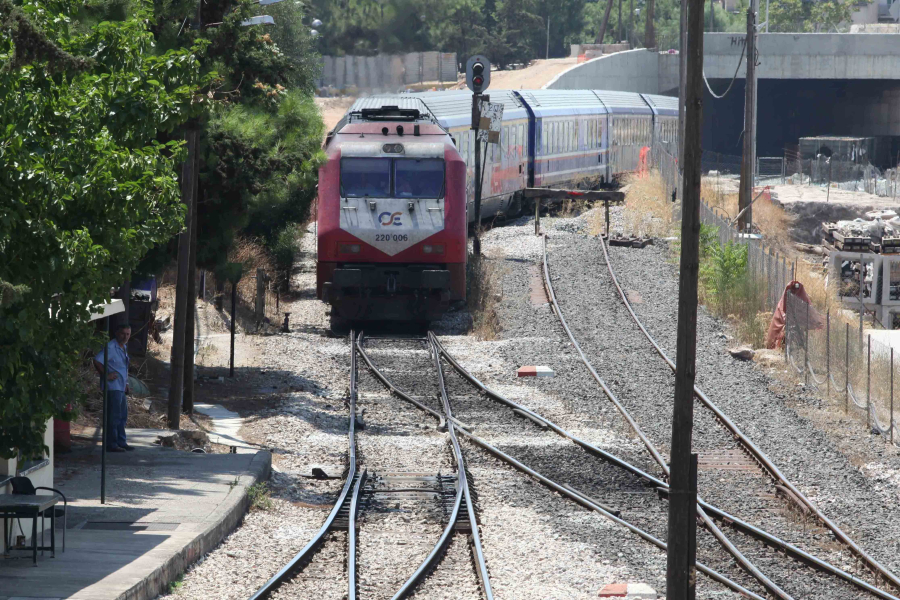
(770,218)
(483,294)
(648,212)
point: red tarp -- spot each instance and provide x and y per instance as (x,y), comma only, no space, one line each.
(775,336)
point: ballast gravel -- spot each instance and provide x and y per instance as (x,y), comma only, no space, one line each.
(537,544)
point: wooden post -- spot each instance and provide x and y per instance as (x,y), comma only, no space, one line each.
(680,562)
(606,205)
(176,375)
(806,349)
(260,296)
(869,383)
(828,354)
(846,367)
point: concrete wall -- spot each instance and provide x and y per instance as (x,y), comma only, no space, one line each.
(630,71)
(806,55)
(386,71)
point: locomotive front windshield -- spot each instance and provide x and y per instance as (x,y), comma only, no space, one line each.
(392,177)
(365,177)
(418,178)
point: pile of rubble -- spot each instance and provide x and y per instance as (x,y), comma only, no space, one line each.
(879,233)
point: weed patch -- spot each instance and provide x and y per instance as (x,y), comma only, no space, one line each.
(260,496)
(483,293)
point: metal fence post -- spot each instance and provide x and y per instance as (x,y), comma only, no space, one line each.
(806,349)
(846,367)
(793,266)
(828,354)
(892,395)
(869,383)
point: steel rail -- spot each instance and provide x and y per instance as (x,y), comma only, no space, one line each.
(483,574)
(588,503)
(754,450)
(302,558)
(707,520)
(409,586)
(720,514)
(351,537)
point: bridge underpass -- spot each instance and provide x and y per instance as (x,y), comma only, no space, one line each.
(790,109)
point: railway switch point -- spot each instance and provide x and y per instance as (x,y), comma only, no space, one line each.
(531,371)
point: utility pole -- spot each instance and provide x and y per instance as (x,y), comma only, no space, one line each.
(548,38)
(176,379)
(681,573)
(649,32)
(621,32)
(682,78)
(749,160)
(187,402)
(712,18)
(631,23)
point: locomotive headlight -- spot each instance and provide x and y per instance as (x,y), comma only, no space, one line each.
(348,248)
(392,148)
(433,248)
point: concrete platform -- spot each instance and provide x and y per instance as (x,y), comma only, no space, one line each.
(164,510)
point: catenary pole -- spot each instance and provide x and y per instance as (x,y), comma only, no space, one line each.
(187,401)
(680,562)
(176,378)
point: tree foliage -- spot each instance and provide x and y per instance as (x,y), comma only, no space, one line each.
(85,188)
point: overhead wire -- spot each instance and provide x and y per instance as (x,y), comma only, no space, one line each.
(725,93)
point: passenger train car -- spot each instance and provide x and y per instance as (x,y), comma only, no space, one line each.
(397,189)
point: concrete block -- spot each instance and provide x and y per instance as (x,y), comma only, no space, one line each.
(533,371)
(641,590)
(633,591)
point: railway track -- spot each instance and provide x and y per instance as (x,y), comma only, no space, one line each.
(735,441)
(374,496)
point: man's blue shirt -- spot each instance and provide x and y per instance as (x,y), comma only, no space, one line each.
(118,364)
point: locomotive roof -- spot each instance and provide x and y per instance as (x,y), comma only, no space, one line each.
(623,102)
(662,105)
(454,108)
(549,103)
(401,101)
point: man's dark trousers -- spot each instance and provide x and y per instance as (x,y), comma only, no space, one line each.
(116,416)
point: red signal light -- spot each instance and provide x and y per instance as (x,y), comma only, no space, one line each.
(478,80)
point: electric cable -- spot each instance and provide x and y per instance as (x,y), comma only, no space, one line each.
(725,93)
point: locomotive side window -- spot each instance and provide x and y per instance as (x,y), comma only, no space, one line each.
(366,177)
(418,178)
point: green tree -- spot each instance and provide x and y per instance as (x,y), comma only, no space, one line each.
(85,188)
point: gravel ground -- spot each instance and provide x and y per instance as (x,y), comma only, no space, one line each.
(538,545)
(645,384)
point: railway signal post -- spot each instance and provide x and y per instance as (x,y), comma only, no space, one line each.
(478,78)
(681,570)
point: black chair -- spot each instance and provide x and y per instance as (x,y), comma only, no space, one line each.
(23,485)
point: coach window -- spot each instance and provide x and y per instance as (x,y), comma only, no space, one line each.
(418,178)
(514,141)
(366,177)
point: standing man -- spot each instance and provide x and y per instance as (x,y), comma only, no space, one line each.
(116,388)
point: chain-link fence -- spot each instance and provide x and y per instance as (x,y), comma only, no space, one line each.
(828,352)
(835,358)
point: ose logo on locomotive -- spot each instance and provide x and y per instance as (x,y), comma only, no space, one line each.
(393,218)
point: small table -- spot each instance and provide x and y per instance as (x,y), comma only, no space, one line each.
(23,506)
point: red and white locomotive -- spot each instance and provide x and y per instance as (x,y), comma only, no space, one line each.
(391,216)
